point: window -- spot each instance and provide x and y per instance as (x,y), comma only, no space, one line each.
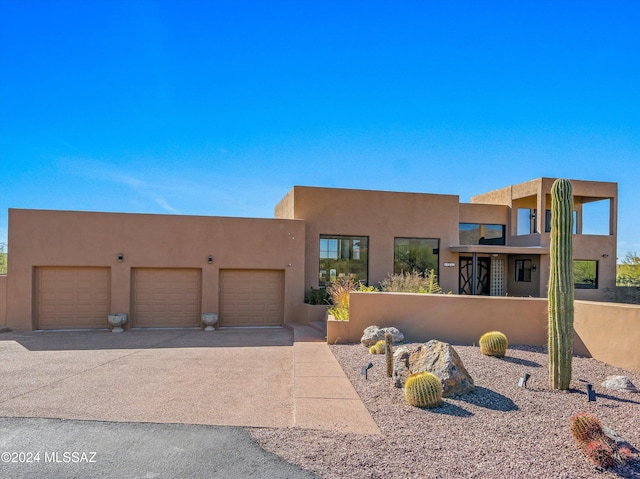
(547,221)
(585,274)
(526,221)
(343,257)
(415,254)
(475,233)
(523,270)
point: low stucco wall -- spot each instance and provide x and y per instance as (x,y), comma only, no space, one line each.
(3,300)
(451,318)
(608,332)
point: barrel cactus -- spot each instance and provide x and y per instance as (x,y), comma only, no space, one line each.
(494,343)
(561,285)
(423,390)
(585,427)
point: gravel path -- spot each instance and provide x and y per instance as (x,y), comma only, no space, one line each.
(498,431)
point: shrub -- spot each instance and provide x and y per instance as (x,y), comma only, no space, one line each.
(339,292)
(317,296)
(413,282)
(493,343)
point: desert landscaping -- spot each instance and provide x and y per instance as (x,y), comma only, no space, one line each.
(499,430)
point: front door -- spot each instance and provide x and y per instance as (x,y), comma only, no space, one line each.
(477,283)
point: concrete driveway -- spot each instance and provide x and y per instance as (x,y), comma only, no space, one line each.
(227,377)
(255,377)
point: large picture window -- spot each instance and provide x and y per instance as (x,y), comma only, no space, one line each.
(585,274)
(415,254)
(343,257)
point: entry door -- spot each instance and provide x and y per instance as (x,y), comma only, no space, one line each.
(482,277)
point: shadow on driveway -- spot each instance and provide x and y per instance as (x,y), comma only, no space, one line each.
(149,339)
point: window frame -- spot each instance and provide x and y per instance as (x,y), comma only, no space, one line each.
(337,254)
(586,285)
(523,269)
(435,252)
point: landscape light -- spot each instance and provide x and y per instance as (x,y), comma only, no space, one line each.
(365,370)
(523,380)
(591,393)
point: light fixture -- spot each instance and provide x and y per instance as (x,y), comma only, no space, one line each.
(534,268)
(605,255)
(120,257)
(365,370)
(210,259)
(591,393)
(523,380)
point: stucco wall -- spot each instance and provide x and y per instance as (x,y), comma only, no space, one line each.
(451,318)
(382,216)
(68,238)
(608,332)
(3,300)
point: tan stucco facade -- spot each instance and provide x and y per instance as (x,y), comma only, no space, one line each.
(80,239)
(289,245)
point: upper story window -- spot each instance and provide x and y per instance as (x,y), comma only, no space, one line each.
(477,233)
(547,222)
(415,254)
(343,257)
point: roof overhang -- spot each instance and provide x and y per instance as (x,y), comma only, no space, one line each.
(498,249)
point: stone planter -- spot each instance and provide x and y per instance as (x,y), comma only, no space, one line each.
(210,320)
(117,320)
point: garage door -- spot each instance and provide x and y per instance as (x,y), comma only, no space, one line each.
(251,297)
(70,298)
(166,297)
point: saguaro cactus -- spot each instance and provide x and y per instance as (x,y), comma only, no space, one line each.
(561,285)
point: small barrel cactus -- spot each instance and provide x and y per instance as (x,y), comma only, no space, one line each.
(585,427)
(423,390)
(494,343)
(380,346)
(600,453)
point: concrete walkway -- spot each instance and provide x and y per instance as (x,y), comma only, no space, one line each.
(240,377)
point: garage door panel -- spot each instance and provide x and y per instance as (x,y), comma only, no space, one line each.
(72,297)
(251,297)
(166,297)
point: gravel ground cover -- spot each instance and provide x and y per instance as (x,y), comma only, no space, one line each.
(498,431)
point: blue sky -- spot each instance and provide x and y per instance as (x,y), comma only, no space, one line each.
(219,108)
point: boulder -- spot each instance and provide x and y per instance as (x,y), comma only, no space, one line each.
(435,357)
(373,334)
(620,383)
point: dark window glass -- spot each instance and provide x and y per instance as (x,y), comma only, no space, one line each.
(475,233)
(343,257)
(523,270)
(415,254)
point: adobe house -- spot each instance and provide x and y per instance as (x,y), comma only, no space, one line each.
(71,269)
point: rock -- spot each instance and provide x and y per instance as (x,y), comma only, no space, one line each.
(620,383)
(401,366)
(373,334)
(435,357)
